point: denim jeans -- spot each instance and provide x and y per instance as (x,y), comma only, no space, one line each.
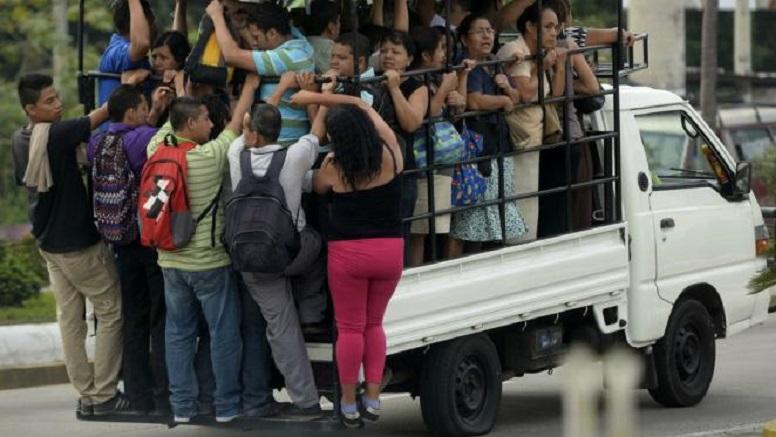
(257,358)
(216,291)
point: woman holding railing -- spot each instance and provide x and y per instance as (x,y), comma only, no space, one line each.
(409,96)
(448,93)
(488,90)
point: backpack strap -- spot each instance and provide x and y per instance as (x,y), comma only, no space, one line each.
(212,208)
(278,159)
(246,167)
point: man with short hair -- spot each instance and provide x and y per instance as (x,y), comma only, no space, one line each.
(275,293)
(200,273)
(80,265)
(322,26)
(142,288)
(343,63)
(280,48)
(128,47)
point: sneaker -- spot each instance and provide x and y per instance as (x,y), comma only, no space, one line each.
(369,414)
(118,404)
(181,419)
(226,419)
(297,411)
(351,420)
(84,408)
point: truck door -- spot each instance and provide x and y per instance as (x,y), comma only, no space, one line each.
(701,236)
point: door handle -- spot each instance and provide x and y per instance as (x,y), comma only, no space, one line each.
(667,223)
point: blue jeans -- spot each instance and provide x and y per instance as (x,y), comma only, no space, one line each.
(257,358)
(216,291)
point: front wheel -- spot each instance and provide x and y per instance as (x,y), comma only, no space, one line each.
(684,357)
(460,389)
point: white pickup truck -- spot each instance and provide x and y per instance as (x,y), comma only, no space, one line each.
(668,280)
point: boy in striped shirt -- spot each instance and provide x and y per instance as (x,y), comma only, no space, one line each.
(200,273)
(279,48)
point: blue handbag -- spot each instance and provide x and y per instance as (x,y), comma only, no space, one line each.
(448,145)
(468,185)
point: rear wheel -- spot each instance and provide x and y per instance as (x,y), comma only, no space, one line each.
(460,389)
(684,357)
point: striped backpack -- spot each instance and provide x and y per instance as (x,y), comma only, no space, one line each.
(115,192)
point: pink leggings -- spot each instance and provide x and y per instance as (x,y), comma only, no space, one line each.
(362,278)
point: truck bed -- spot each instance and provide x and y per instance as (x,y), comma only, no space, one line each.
(515,284)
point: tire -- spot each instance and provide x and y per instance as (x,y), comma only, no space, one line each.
(684,357)
(460,387)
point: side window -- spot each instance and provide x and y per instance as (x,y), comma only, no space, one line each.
(677,152)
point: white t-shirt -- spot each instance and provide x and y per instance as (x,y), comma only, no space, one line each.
(299,160)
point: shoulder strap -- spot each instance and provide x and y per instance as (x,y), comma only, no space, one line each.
(211,208)
(393,157)
(278,159)
(246,168)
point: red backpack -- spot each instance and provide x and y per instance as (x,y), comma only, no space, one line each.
(165,217)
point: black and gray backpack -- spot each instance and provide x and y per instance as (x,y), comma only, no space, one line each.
(260,233)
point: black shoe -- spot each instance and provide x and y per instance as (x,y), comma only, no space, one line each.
(307,413)
(161,410)
(118,404)
(205,409)
(84,409)
(271,409)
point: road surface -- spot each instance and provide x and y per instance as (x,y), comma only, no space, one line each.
(742,396)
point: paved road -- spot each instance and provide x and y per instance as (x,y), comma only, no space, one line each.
(742,395)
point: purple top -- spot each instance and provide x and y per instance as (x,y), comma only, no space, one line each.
(136,139)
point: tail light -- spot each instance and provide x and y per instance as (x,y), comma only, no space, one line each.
(761,240)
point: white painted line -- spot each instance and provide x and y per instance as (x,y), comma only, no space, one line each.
(754,427)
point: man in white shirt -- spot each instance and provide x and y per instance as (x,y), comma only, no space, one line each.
(275,295)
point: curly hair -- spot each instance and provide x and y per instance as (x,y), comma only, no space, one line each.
(358,149)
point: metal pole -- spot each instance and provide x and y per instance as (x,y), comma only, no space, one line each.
(616,114)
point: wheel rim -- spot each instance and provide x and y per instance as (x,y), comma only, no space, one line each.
(688,352)
(470,388)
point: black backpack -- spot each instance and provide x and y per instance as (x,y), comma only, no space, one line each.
(260,233)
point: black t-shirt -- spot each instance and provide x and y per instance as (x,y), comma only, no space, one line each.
(62,217)
(407,87)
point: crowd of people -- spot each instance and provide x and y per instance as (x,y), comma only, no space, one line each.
(192,321)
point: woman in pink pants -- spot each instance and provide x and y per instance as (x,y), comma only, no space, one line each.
(361,176)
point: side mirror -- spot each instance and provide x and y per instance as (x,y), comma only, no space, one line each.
(743,178)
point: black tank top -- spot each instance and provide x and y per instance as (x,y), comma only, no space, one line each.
(371,213)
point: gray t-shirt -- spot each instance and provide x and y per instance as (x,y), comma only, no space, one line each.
(299,160)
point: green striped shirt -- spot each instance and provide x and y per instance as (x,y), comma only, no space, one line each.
(207,165)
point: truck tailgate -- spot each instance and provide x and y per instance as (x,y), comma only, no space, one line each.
(501,287)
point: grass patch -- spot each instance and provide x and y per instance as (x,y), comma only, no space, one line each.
(37,309)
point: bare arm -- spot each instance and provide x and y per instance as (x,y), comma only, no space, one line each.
(376,13)
(587,83)
(401,16)
(244,103)
(139,32)
(179,22)
(232,53)
(409,112)
(608,36)
(287,81)
(485,102)
(98,116)
(385,131)
(438,100)
(509,14)
(160,101)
